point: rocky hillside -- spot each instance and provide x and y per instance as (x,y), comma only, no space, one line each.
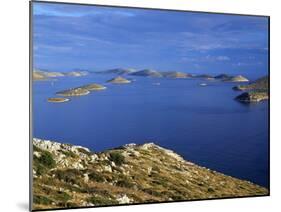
(73,176)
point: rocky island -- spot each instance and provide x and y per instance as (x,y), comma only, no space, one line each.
(93,87)
(223,77)
(82,90)
(118,71)
(76,73)
(256,91)
(147,73)
(252,96)
(73,92)
(204,76)
(73,176)
(37,75)
(238,78)
(175,74)
(45,75)
(58,100)
(119,80)
(259,84)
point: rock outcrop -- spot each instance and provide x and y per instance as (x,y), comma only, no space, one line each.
(73,176)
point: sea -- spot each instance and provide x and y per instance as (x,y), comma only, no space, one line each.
(203,124)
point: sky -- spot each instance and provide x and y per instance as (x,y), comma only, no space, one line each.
(68,37)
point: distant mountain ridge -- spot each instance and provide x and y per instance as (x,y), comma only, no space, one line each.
(44,75)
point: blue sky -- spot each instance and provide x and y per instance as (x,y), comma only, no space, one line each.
(67,37)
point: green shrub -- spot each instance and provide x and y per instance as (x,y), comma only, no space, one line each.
(96,177)
(124,183)
(69,154)
(40,169)
(62,196)
(97,200)
(211,190)
(42,200)
(117,158)
(46,159)
(43,163)
(69,175)
(152,191)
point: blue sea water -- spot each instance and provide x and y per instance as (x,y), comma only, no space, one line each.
(203,124)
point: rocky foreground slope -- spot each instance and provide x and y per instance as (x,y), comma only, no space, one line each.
(73,176)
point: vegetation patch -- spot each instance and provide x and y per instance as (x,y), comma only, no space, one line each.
(46,159)
(96,177)
(98,200)
(117,158)
(69,175)
(69,154)
(41,200)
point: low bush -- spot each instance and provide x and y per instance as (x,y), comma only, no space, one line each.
(97,200)
(41,200)
(69,175)
(62,196)
(124,183)
(117,158)
(96,177)
(46,159)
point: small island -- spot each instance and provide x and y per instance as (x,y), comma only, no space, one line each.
(73,92)
(119,80)
(76,73)
(252,96)
(58,99)
(204,76)
(222,76)
(259,84)
(147,73)
(93,87)
(256,91)
(175,74)
(238,78)
(118,71)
